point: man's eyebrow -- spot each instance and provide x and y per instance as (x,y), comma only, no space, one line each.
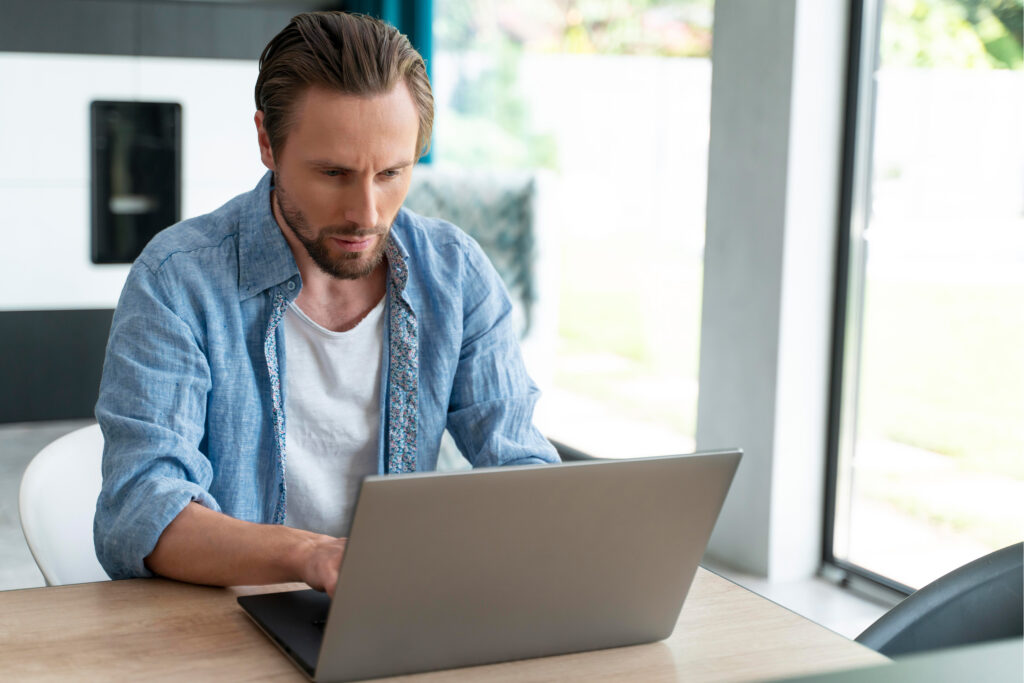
(325,163)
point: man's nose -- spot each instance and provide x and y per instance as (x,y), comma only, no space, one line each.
(362,206)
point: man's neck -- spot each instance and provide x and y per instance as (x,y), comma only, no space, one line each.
(333,303)
(339,305)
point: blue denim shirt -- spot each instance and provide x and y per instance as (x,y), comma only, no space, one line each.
(187,399)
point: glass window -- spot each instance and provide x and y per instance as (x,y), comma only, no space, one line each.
(606,102)
(932,474)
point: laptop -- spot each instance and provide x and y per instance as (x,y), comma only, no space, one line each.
(445,570)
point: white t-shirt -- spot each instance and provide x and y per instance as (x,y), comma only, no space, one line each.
(332,417)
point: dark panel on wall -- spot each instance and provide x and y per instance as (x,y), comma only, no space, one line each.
(50,363)
(136,175)
(233,30)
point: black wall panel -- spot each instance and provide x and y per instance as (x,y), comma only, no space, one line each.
(50,363)
(225,30)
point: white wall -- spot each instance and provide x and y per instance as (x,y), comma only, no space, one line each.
(777,107)
(44,161)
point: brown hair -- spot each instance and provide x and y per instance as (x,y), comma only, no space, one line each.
(352,54)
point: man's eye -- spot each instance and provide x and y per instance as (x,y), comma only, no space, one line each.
(331,172)
(391,173)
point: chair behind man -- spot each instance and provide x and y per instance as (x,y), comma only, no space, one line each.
(57,501)
(978,602)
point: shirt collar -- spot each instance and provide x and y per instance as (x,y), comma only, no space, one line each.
(264,257)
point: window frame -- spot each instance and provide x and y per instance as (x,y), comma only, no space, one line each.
(848,310)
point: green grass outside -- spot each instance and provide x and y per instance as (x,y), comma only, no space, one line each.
(633,305)
(943,370)
(649,320)
(629,392)
(993,529)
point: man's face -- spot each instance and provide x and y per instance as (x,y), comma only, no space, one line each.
(342,175)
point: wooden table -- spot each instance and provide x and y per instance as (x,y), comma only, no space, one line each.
(152,629)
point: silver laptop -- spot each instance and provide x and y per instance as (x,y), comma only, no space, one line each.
(446,570)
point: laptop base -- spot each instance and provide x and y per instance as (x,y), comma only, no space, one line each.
(293,620)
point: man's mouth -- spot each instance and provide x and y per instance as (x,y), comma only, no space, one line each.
(353,244)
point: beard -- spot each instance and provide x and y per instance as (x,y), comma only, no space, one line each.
(344,265)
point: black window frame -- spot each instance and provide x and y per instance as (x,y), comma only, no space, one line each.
(855,205)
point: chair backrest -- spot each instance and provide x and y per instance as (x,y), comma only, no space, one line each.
(57,502)
(978,602)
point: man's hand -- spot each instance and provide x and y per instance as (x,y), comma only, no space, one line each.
(323,562)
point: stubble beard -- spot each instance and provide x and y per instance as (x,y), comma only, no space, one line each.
(344,266)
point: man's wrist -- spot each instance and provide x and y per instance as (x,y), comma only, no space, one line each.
(298,552)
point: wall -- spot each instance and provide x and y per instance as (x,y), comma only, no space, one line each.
(44,161)
(777,106)
(56,56)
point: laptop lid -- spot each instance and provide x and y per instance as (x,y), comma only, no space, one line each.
(444,570)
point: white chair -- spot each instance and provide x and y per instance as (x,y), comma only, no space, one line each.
(57,502)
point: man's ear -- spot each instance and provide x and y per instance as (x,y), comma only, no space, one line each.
(266,153)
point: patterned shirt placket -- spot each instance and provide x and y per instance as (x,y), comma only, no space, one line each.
(270,351)
(403,374)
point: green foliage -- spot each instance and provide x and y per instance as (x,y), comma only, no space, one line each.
(454,27)
(1009,14)
(679,28)
(670,28)
(953,33)
(490,122)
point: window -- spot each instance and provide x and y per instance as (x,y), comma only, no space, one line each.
(609,101)
(930,445)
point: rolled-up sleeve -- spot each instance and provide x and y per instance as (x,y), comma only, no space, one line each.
(151,409)
(490,413)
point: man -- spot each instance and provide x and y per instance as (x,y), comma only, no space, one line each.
(265,357)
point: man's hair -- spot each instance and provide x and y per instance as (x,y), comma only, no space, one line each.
(349,53)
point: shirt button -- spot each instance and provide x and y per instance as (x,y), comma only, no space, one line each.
(291,286)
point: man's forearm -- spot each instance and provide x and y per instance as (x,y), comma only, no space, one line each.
(207,547)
